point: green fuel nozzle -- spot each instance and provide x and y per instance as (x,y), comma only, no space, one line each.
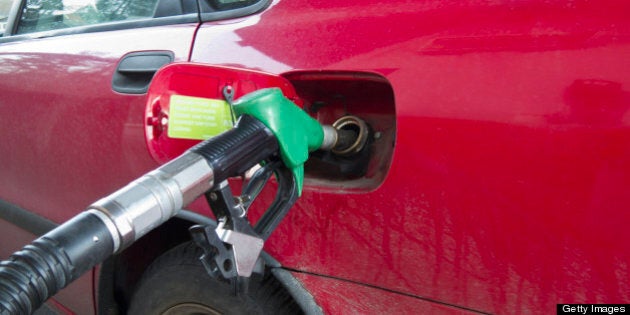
(297,132)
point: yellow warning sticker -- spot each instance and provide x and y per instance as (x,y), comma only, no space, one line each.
(197,118)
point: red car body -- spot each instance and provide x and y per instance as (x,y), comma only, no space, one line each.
(501,177)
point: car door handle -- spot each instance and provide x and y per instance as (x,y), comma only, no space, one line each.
(135,70)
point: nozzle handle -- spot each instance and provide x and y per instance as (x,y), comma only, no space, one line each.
(297,132)
(237,150)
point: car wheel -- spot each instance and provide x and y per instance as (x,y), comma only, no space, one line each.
(177,283)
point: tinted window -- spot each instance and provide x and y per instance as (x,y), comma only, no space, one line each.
(220,5)
(45,15)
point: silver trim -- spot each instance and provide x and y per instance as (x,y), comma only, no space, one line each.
(246,248)
(12,19)
(155,197)
(111,227)
(330,137)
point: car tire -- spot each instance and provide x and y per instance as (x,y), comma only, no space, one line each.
(177,283)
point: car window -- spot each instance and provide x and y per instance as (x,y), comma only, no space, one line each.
(46,15)
(5,10)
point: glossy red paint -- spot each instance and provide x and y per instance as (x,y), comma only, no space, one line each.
(68,139)
(507,191)
(508,188)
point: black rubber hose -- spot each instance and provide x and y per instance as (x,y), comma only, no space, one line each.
(38,271)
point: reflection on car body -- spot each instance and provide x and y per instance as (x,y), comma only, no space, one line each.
(502,130)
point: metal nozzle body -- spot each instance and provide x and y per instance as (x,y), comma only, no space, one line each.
(150,200)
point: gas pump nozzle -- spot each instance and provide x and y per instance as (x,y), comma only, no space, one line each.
(270,129)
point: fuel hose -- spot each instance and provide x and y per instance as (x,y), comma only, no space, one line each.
(39,270)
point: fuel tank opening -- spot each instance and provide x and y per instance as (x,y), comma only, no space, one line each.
(352,135)
(359,109)
(345,137)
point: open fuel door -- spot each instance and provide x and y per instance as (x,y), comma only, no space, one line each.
(189,102)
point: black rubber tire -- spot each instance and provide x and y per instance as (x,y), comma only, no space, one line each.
(178,283)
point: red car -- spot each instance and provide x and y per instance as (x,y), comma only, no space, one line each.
(495,177)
